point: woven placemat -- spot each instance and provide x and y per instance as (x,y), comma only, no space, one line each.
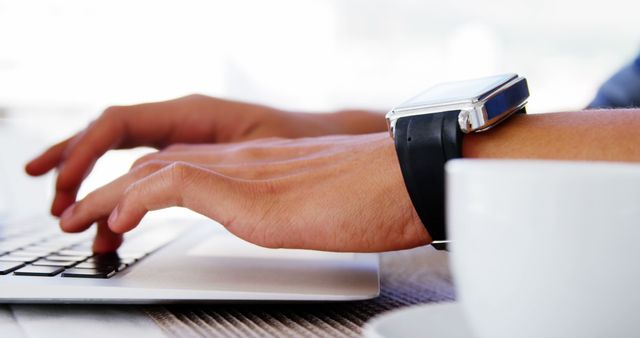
(415,276)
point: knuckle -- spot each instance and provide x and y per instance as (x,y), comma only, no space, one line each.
(253,151)
(148,167)
(180,173)
(92,196)
(198,101)
(196,97)
(80,208)
(179,168)
(130,192)
(112,112)
(136,188)
(143,160)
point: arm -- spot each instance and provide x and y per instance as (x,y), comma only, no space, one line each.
(594,135)
(358,121)
(276,192)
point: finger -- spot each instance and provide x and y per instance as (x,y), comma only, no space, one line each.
(100,203)
(179,184)
(62,201)
(100,136)
(48,160)
(148,124)
(80,156)
(65,198)
(106,240)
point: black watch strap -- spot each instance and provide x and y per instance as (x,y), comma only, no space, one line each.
(424,143)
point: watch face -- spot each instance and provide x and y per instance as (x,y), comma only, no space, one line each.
(480,103)
(462,91)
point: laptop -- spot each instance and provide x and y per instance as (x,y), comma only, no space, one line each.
(177,260)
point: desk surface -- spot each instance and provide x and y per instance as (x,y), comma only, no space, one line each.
(409,277)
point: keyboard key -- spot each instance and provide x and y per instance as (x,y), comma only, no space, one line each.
(89,273)
(29,252)
(82,247)
(44,262)
(12,258)
(86,253)
(32,270)
(105,259)
(65,258)
(26,253)
(48,246)
(93,265)
(97,266)
(6,267)
(14,244)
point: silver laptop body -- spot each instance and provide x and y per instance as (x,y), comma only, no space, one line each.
(162,261)
(173,262)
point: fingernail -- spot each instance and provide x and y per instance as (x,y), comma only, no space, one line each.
(66,216)
(56,206)
(67,212)
(27,167)
(113,217)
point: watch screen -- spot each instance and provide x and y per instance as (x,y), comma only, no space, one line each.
(459,91)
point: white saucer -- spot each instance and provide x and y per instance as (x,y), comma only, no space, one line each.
(440,320)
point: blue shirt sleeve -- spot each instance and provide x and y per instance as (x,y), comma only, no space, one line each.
(622,90)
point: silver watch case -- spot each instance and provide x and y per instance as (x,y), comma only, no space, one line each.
(474,116)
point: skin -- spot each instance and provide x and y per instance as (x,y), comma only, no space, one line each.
(286,180)
(190,119)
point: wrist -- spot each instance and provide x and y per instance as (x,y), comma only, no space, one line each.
(429,128)
(357,121)
(263,121)
(347,122)
(413,231)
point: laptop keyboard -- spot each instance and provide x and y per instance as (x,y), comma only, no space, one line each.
(47,252)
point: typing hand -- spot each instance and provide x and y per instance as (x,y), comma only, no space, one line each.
(190,119)
(338,193)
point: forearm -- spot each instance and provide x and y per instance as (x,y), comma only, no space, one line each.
(600,135)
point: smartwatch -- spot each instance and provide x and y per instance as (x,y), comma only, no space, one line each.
(428,129)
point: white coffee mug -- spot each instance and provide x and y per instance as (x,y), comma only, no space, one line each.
(546,248)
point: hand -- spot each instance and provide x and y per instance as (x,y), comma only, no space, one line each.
(337,193)
(190,119)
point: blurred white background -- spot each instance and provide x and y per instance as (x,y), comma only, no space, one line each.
(63,61)
(305,54)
